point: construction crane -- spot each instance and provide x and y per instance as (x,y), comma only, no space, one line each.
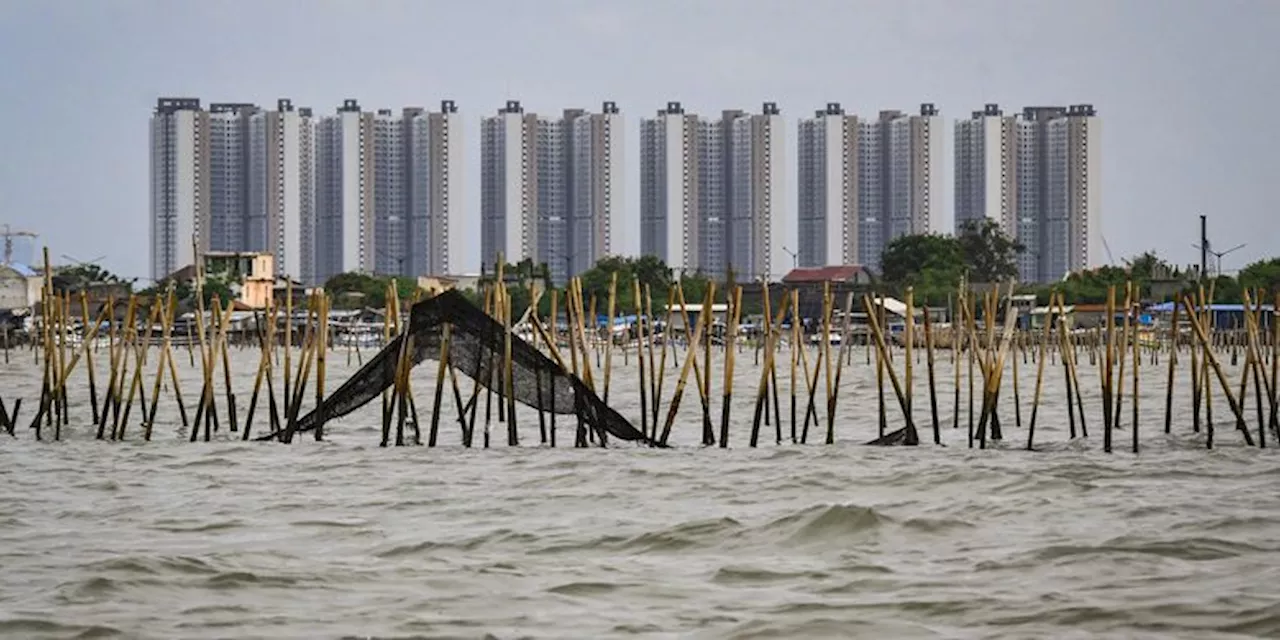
(9,235)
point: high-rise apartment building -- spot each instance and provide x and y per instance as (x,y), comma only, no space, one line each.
(281,187)
(552,189)
(673,155)
(1035,174)
(828,180)
(388,194)
(344,194)
(233,177)
(761,226)
(601,225)
(180,203)
(712,193)
(508,185)
(437,239)
(864,183)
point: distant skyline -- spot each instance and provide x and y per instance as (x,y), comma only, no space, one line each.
(1183,85)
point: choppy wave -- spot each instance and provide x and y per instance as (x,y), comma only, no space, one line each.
(171,539)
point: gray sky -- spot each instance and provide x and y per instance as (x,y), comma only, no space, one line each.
(1184,88)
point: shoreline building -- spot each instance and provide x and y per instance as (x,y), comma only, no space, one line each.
(712,193)
(864,183)
(1036,175)
(552,189)
(388,192)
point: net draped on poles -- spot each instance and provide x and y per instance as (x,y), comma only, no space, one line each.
(476,347)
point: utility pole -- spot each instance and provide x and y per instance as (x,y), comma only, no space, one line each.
(1204,247)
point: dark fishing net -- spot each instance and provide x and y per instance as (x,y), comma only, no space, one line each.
(476,347)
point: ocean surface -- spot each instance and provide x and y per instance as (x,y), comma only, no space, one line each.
(344,539)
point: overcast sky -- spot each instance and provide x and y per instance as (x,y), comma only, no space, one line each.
(1185,89)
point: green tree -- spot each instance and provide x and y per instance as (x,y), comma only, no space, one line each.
(694,286)
(1263,274)
(353,290)
(989,254)
(217,286)
(78,276)
(930,263)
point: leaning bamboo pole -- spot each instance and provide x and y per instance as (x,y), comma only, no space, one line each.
(667,345)
(912,438)
(770,354)
(140,349)
(1233,403)
(690,356)
(264,361)
(840,360)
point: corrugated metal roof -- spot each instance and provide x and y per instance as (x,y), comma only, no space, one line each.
(23,270)
(840,273)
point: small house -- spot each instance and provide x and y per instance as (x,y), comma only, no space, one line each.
(20,286)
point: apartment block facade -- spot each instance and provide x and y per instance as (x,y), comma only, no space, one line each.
(552,189)
(1036,175)
(712,193)
(865,182)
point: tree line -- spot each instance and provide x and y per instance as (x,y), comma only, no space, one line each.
(933,265)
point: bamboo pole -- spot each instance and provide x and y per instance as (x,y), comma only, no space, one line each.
(957,337)
(608,353)
(1173,364)
(508,369)
(845,339)
(1232,402)
(797,350)
(644,383)
(909,338)
(119,367)
(445,343)
(140,360)
(827,309)
(667,345)
(1122,350)
(93,386)
(264,332)
(1275,367)
(1040,360)
(729,351)
(770,349)
(288,345)
(933,389)
(971,311)
(1137,364)
(690,356)
(303,371)
(912,438)
(322,348)
(1207,392)
(654,378)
